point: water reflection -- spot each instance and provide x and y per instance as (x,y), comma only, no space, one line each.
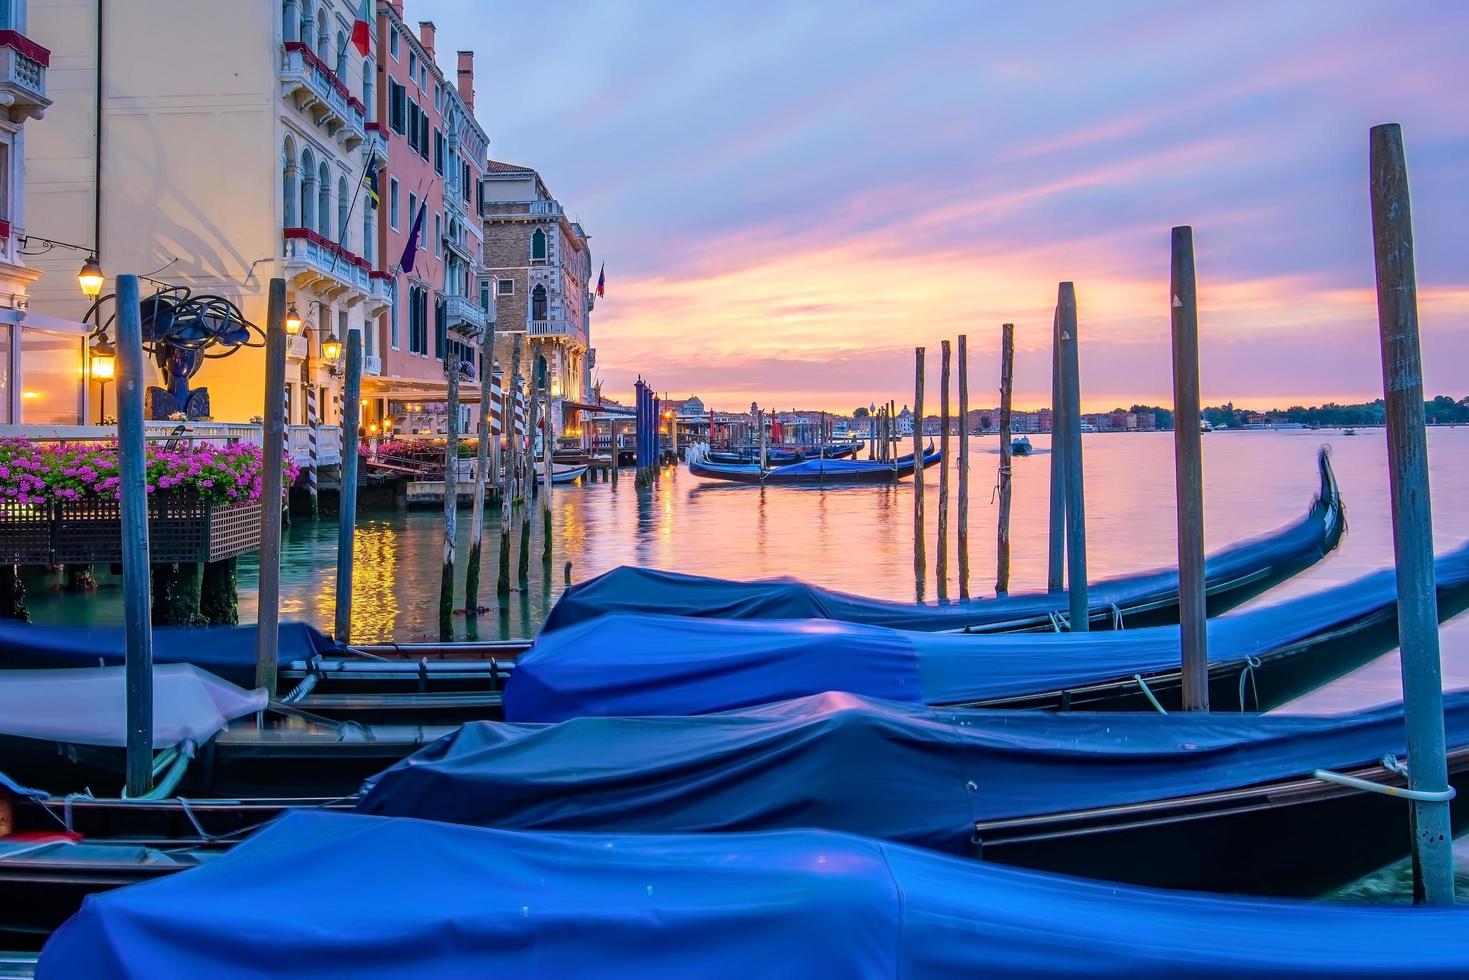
(859,539)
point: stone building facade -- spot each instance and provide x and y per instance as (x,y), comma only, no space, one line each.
(538,267)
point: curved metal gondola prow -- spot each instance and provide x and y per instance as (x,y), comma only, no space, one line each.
(1329,499)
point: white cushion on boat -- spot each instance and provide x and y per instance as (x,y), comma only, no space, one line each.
(89,706)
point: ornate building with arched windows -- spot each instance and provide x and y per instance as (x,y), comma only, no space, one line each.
(538,265)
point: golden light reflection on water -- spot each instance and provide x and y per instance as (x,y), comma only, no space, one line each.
(860,539)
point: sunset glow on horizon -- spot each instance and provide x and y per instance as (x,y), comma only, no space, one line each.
(789,197)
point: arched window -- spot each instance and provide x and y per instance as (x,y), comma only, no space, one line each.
(324,200)
(308,189)
(367,235)
(323,38)
(341,55)
(290,194)
(538,301)
(290,20)
(344,203)
(367,91)
(538,248)
(307,24)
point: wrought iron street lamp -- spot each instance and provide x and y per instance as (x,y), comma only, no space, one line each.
(293,321)
(331,349)
(91,278)
(103,361)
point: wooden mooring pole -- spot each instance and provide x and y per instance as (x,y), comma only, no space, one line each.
(1407,448)
(1078,599)
(481,473)
(267,636)
(510,387)
(920,563)
(1188,466)
(451,498)
(963,516)
(546,439)
(1056,554)
(133,495)
(1007,378)
(528,466)
(347,495)
(941,550)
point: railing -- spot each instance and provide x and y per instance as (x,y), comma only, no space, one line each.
(558,328)
(23,65)
(346,117)
(379,290)
(550,209)
(464,315)
(329,437)
(326,257)
(372,364)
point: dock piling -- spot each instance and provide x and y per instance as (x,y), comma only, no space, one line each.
(941,550)
(1188,466)
(1056,556)
(347,495)
(481,472)
(546,440)
(1078,600)
(133,494)
(267,638)
(963,516)
(1007,378)
(451,498)
(1407,447)
(510,394)
(920,563)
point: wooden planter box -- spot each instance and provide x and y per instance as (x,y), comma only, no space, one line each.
(181,528)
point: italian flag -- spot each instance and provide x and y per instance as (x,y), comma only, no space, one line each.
(361,39)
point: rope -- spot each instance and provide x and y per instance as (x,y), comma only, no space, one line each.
(1149,693)
(1420,795)
(1248,675)
(1116,616)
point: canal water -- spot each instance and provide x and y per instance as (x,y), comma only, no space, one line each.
(860,539)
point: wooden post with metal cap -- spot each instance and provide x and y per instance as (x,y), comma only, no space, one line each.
(451,497)
(963,516)
(1407,449)
(1002,539)
(1193,613)
(1056,553)
(1076,581)
(133,498)
(347,497)
(941,549)
(919,561)
(267,638)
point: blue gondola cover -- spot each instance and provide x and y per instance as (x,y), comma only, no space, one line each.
(882,769)
(330,896)
(636,664)
(226,651)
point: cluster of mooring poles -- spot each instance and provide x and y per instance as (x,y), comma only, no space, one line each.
(941,550)
(647,449)
(1067,565)
(1408,470)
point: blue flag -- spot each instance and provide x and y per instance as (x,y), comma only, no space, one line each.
(410,251)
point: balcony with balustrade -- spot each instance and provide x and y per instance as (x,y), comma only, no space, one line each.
(316,89)
(464,316)
(566,330)
(23,65)
(379,292)
(316,263)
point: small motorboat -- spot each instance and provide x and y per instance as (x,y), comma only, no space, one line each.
(1020,446)
(565,472)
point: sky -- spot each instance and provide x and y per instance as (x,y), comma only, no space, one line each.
(790,197)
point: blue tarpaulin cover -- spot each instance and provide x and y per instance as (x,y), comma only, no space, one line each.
(898,771)
(1261,561)
(331,896)
(226,651)
(640,664)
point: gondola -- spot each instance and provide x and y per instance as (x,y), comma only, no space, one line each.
(781,454)
(565,473)
(1226,803)
(637,663)
(812,472)
(1233,575)
(62,731)
(338,895)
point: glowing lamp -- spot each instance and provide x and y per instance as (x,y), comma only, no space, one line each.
(104,360)
(331,349)
(293,321)
(90,278)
